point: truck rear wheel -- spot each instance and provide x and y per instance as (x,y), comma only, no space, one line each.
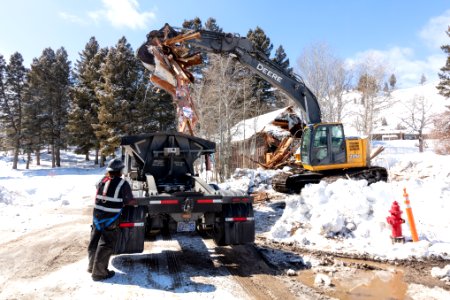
(219,234)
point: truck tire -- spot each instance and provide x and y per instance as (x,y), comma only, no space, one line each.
(219,234)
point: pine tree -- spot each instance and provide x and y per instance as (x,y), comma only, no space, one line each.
(423,79)
(211,24)
(62,83)
(392,81)
(444,76)
(282,60)
(12,104)
(194,24)
(50,83)
(117,97)
(386,88)
(261,89)
(36,123)
(2,101)
(31,138)
(84,101)
(442,121)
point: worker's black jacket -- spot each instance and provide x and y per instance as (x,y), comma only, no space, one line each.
(112,194)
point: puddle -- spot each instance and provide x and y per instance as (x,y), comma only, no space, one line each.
(348,283)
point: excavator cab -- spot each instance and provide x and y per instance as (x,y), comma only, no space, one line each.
(323,146)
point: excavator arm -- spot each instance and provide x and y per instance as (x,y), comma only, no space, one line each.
(165,48)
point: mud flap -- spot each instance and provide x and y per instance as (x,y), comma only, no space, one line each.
(235,232)
(131,230)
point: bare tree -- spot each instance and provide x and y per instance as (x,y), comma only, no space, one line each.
(441,132)
(219,100)
(327,77)
(371,76)
(418,117)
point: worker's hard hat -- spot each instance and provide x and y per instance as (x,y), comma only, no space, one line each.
(115,165)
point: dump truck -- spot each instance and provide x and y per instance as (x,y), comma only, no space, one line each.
(171,197)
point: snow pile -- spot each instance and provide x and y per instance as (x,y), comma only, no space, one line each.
(443,274)
(250,180)
(5,197)
(350,216)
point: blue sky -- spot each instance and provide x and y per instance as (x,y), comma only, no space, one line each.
(406,35)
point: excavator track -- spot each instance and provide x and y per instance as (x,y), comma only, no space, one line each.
(294,182)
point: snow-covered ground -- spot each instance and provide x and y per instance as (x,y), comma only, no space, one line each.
(343,216)
(350,216)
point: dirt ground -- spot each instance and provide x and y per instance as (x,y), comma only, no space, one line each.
(265,270)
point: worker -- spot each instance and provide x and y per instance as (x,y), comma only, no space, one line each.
(113,192)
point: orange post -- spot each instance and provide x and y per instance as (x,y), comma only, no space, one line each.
(409,215)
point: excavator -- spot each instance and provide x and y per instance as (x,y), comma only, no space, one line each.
(325,151)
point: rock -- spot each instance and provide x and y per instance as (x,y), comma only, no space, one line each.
(291,272)
(322,280)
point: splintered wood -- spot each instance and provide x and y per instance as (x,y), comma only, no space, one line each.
(281,155)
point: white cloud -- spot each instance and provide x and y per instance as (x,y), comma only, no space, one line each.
(122,13)
(433,33)
(72,18)
(401,62)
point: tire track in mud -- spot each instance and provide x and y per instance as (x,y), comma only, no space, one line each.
(43,251)
(172,263)
(247,267)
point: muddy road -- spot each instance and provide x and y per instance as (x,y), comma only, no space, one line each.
(50,263)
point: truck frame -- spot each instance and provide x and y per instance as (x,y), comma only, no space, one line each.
(171,197)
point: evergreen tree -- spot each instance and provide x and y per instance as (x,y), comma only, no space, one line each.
(211,24)
(36,123)
(62,83)
(194,24)
(117,97)
(155,110)
(442,121)
(84,105)
(386,88)
(49,84)
(392,81)
(261,89)
(2,101)
(31,138)
(12,105)
(423,79)
(444,75)
(282,60)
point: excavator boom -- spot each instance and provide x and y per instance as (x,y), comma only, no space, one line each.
(166,54)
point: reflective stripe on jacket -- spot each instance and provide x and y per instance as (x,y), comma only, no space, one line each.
(109,197)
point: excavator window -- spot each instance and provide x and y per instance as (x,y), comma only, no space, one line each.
(328,144)
(320,144)
(305,148)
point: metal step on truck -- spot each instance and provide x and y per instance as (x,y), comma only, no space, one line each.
(160,169)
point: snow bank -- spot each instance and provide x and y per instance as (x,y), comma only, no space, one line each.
(350,216)
(442,273)
(250,180)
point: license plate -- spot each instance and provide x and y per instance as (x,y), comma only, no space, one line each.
(186,226)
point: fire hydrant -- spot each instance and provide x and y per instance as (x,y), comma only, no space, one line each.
(396,222)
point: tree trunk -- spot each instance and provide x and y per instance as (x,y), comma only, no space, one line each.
(28,160)
(86,157)
(38,157)
(53,156)
(58,156)
(421,142)
(96,156)
(102,161)
(16,156)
